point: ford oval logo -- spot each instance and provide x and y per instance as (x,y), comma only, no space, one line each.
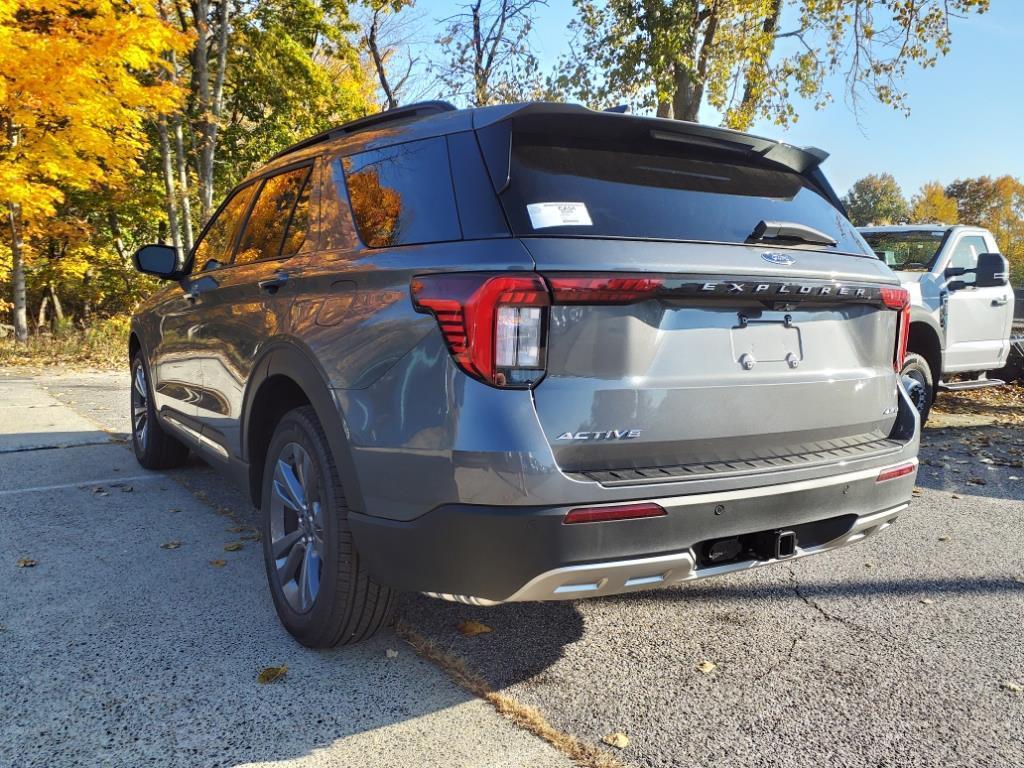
(780,259)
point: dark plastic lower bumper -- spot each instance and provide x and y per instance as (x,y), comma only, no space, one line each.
(492,553)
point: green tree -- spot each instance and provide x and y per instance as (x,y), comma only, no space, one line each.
(998,205)
(674,55)
(876,199)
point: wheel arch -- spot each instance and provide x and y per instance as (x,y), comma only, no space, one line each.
(286,377)
(926,341)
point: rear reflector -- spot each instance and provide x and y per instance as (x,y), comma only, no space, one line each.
(621,512)
(602,290)
(891,474)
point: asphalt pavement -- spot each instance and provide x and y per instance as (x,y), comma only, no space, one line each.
(905,650)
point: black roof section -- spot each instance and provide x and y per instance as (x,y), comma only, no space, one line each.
(408,112)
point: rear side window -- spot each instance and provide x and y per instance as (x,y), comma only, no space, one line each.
(402,195)
(282,205)
(657,190)
(219,237)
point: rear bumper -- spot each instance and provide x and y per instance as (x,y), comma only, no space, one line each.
(485,554)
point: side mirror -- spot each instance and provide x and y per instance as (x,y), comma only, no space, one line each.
(992,271)
(157,260)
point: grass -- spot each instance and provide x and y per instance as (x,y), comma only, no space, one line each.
(103,345)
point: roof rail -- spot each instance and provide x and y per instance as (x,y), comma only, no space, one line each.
(410,111)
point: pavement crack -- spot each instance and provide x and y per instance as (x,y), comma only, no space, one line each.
(826,614)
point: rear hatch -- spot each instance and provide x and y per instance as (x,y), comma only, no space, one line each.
(680,343)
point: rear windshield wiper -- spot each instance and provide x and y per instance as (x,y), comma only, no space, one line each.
(788,230)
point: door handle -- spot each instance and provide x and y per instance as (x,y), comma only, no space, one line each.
(1000,302)
(271,284)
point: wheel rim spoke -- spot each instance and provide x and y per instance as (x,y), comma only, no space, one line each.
(140,406)
(296,518)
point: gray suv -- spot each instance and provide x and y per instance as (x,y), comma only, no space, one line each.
(529,352)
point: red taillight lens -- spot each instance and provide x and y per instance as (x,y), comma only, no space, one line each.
(493,324)
(619,512)
(891,474)
(602,290)
(899,299)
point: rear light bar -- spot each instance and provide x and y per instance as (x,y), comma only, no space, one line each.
(899,299)
(618,512)
(891,474)
(603,290)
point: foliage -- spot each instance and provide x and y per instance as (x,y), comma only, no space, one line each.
(933,205)
(102,345)
(673,54)
(998,205)
(876,199)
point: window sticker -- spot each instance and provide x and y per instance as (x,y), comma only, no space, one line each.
(544,215)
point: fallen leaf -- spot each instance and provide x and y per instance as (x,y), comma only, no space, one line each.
(271,674)
(233,546)
(237,529)
(943,538)
(99,491)
(956,496)
(1012,687)
(927,601)
(127,489)
(174,511)
(916,492)
(472,628)
(254,536)
(392,653)
(869,565)
(707,667)
(977,481)
(218,563)
(26,562)
(619,740)
(173,544)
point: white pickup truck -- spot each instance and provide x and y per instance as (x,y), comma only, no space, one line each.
(961,305)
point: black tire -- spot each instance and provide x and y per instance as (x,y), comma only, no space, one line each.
(917,378)
(348,606)
(154,448)
(1012,371)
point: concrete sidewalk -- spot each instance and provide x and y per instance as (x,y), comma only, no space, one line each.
(125,644)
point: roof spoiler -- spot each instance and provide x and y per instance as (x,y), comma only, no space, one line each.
(408,112)
(497,123)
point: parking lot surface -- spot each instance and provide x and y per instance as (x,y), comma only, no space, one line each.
(906,650)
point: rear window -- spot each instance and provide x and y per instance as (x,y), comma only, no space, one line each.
(402,195)
(581,188)
(910,250)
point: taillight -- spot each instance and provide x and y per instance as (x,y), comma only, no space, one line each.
(602,290)
(616,512)
(899,299)
(493,324)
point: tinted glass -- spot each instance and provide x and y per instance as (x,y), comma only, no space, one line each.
(219,238)
(338,230)
(402,195)
(656,190)
(912,250)
(265,228)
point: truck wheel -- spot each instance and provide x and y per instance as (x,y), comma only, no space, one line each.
(154,448)
(917,379)
(321,591)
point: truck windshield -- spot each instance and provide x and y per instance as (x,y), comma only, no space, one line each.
(657,190)
(910,250)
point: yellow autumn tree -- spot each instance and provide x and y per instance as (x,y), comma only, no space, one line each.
(932,205)
(78,80)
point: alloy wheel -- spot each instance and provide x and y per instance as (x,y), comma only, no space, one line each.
(140,406)
(297,527)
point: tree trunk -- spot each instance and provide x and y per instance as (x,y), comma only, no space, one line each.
(168,174)
(689,92)
(41,317)
(378,60)
(753,85)
(665,108)
(18,274)
(210,100)
(183,191)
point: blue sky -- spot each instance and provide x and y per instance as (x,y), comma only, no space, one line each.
(967,112)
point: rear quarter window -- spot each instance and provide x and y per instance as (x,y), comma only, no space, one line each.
(402,195)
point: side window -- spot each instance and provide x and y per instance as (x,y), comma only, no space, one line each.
(338,231)
(219,237)
(402,195)
(966,254)
(279,197)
